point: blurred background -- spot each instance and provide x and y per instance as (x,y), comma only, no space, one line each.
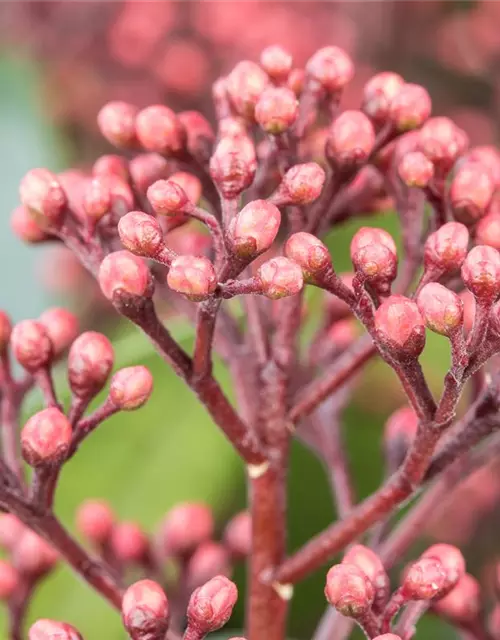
(59,62)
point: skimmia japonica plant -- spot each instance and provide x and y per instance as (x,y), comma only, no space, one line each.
(284,166)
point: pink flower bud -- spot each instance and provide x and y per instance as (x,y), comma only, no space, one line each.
(369,563)
(296,80)
(254,229)
(9,580)
(351,139)
(469,303)
(200,136)
(400,326)
(349,590)
(441,309)
(232,127)
(51,630)
(415,170)
(276,62)
(95,521)
(145,610)
(276,110)
(280,277)
(446,248)
(244,86)
(31,345)
(374,255)
(309,253)
(238,535)
(121,196)
(11,529)
(141,234)
(488,230)
(158,129)
(185,527)
(43,196)
(116,121)
(111,165)
(481,272)
(378,94)
(211,605)
(471,191)
(410,107)
(97,199)
(189,183)
(192,276)
(402,424)
(61,326)
(121,273)
(25,227)
(462,604)
(90,361)
(452,561)
(32,556)
(131,387)
(168,198)
(388,636)
(424,579)
(302,184)
(489,157)
(233,165)
(129,543)
(5,331)
(208,560)
(46,437)
(331,67)
(442,142)
(147,168)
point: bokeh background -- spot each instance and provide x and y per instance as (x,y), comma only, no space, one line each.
(59,62)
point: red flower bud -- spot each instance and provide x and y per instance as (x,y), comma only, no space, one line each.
(489,158)
(452,561)
(471,191)
(121,273)
(43,196)
(90,361)
(185,527)
(302,184)
(145,610)
(116,121)
(111,165)
(61,326)
(95,521)
(46,437)
(147,168)
(200,136)
(481,272)
(211,605)
(488,230)
(351,139)
(308,252)
(11,529)
(415,170)
(158,129)
(51,630)
(369,563)
(129,543)
(442,142)
(192,276)
(446,248)
(374,255)
(131,387)
(97,199)
(32,556)
(254,228)
(25,228)
(424,579)
(280,277)
(208,560)
(244,86)
(462,604)
(141,234)
(400,326)
(441,309)
(378,94)
(331,67)
(31,345)
(9,580)
(5,331)
(410,107)
(349,590)
(276,62)
(168,198)
(238,535)
(233,165)
(276,109)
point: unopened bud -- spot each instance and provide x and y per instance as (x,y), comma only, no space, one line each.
(200,136)
(238,535)
(276,62)
(5,331)
(208,560)
(189,183)
(9,580)
(168,198)
(351,139)
(95,521)
(446,248)
(374,255)
(424,579)
(441,309)
(31,344)
(399,432)
(211,605)
(90,361)
(122,273)
(276,110)
(158,129)
(26,228)
(309,253)
(129,543)
(147,168)
(371,565)
(442,142)
(349,590)
(296,80)
(131,387)
(141,234)
(488,230)
(45,629)
(410,107)
(32,556)
(471,191)
(192,276)
(111,165)
(302,184)
(331,67)
(244,85)
(116,121)
(388,636)
(145,610)
(121,196)
(43,196)
(452,561)
(11,529)
(254,229)
(400,327)
(61,326)
(280,277)
(415,169)
(185,527)
(481,272)
(378,93)
(233,165)
(462,604)
(489,157)
(97,199)
(46,437)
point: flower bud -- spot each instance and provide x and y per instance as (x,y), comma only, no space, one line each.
(276,62)
(400,326)
(399,432)
(111,165)
(351,139)
(185,527)
(9,580)
(254,229)
(116,121)
(462,604)
(131,387)
(145,610)
(441,309)
(141,234)
(32,556)
(189,183)
(238,535)
(11,529)
(280,277)
(349,590)
(232,127)
(158,129)
(51,630)
(446,248)
(378,93)
(46,438)
(442,142)
(44,198)
(410,107)
(469,303)
(331,67)
(233,165)
(200,136)
(192,276)
(488,230)
(301,185)
(374,255)
(415,170)
(90,361)
(371,565)
(122,273)
(276,110)
(452,561)
(295,81)
(471,191)
(147,168)
(61,326)
(424,579)
(309,253)
(244,86)
(5,331)
(211,605)
(387,636)
(25,227)
(208,560)
(121,196)
(168,198)
(95,521)
(481,272)
(97,199)
(129,543)
(489,158)
(31,345)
